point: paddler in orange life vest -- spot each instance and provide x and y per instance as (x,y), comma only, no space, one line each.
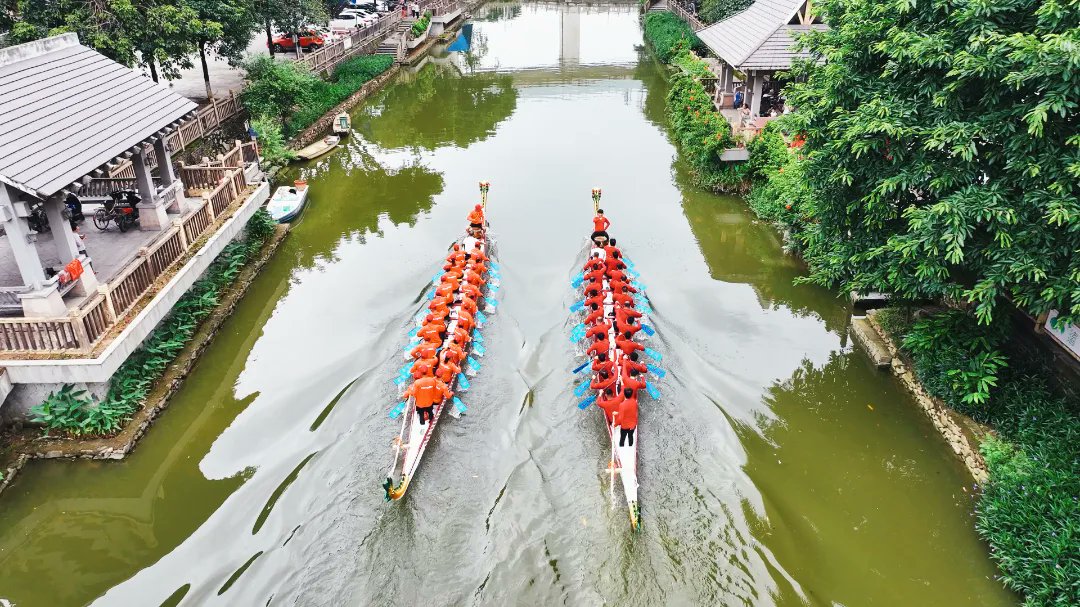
(428,392)
(476,221)
(447,370)
(600,225)
(626,417)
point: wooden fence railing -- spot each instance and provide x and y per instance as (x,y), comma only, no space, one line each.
(684,14)
(86,325)
(355,42)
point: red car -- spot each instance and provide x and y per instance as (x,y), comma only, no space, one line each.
(309,41)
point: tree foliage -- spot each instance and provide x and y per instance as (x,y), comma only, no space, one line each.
(944,152)
(161,35)
(712,11)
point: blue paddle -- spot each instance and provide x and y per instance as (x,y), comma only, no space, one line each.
(653,354)
(577,305)
(653,391)
(648,330)
(583,365)
(462,382)
(657,371)
(585,403)
(460,406)
(580,390)
(397,411)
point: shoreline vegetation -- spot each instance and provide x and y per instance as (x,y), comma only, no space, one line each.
(802,177)
(73,413)
(283,97)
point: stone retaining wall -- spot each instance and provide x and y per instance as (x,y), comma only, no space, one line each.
(322,125)
(962,433)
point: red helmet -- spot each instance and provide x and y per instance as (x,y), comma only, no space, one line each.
(478,207)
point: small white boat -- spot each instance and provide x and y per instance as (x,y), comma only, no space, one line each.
(287,203)
(319,148)
(342,124)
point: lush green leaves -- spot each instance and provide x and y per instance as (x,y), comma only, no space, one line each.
(669,35)
(712,11)
(272,145)
(287,93)
(420,25)
(943,151)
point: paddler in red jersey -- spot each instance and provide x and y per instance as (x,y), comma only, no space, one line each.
(598,347)
(609,402)
(631,362)
(622,328)
(600,328)
(610,249)
(630,378)
(626,418)
(600,225)
(603,364)
(623,298)
(603,381)
(427,392)
(626,343)
(596,314)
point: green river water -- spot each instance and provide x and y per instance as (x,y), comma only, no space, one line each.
(779,467)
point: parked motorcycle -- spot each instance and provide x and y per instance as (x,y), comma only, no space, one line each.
(120,210)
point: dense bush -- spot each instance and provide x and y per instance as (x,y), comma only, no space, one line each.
(420,25)
(287,92)
(347,79)
(957,359)
(668,35)
(1029,511)
(712,11)
(75,413)
(276,88)
(272,146)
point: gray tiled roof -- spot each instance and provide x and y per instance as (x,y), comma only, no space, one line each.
(778,51)
(67,110)
(737,38)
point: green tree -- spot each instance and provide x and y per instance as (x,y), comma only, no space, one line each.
(944,152)
(237,21)
(161,35)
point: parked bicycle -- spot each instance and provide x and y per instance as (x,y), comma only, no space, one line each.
(121,210)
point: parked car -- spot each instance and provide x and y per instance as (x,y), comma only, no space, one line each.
(309,41)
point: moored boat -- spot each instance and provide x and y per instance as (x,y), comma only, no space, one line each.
(620,305)
(342,124)
(457,340)
(319,148)
(287,202)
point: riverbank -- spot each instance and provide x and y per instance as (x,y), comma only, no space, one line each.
(21,444)
(1022,439)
